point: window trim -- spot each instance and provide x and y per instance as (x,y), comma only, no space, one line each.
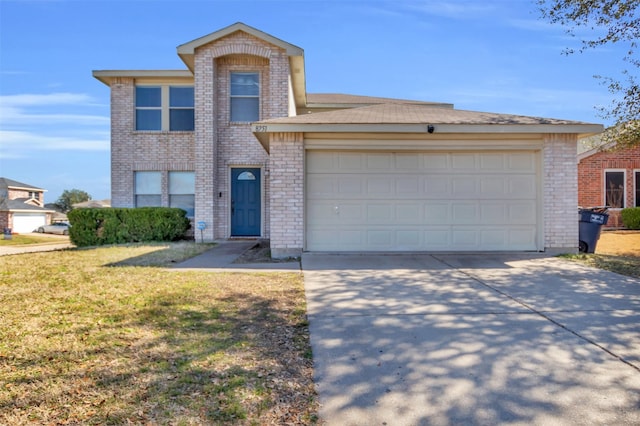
(636,187)
(624,187)
(258,97)
(165,107)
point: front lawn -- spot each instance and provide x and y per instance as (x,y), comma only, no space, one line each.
(82,342)
(616,251)
(24,239)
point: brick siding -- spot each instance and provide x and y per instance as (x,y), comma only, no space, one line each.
(560,192)
(287,194)
(216,145)
(591,171)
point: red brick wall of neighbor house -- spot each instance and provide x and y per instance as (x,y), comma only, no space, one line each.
(591,178)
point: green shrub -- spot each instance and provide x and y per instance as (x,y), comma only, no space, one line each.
(91,227)
(631,217)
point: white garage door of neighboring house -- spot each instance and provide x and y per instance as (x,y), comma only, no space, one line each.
(27,222)
(422,201)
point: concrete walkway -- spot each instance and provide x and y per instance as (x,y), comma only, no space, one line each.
(221,257)
(472,339)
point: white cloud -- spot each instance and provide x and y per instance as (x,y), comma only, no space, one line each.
(22,144)
(45,99)
(12,116)
(36,123)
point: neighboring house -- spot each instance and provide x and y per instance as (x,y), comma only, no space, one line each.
(237,141)
(22,206)
(609,177)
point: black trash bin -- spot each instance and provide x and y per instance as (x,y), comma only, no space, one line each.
(7,233)
(591,222)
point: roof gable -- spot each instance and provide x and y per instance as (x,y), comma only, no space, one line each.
(10,183)
(187,51)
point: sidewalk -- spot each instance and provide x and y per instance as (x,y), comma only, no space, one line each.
(221,257)
(33,248)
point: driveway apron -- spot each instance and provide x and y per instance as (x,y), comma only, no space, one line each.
(472,339)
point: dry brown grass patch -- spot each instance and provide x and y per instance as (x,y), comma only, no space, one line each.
(85,343)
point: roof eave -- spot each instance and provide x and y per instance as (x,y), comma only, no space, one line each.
(262,130)
(582,129)
(107,76)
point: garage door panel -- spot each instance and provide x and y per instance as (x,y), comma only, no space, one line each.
(521,162)
(408,162)
(493,161)
(463,161)
(521,213)
(435,161)
(437,186)
(456,201)
(408,213)
(437,238)
(521,186)
(379,185)
(437,213)
(382,213)
(379,162)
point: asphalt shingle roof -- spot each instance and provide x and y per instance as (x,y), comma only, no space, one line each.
(406,113)
(5,183)
(19,204)
(344,99)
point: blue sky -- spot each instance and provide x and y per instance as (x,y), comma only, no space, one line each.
(491,55)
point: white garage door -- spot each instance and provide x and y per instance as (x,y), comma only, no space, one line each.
(435,201)
(27,222)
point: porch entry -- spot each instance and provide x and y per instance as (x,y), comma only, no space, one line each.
(245,202)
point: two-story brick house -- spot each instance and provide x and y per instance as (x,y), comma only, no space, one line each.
(22,207)
(237,141)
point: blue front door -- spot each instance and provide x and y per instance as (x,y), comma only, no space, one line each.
(245,202)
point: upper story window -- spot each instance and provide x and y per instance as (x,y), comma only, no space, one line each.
(161,108)
(614,188)
(245,96)
(181,108)
(148,108)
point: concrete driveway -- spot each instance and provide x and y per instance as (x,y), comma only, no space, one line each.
(472,339)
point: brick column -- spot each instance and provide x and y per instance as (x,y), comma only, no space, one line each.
(560,193)
(287,194)
(122,144)
(205,143)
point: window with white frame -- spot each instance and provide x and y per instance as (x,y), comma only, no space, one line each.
(245,96)
(614,193)
(161,108)
(148,189)
(182,188)
(636,181)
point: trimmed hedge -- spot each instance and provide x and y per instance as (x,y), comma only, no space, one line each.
(94,227)
(631,217)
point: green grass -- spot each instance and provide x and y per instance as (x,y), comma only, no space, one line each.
(97,336)
(19,239)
